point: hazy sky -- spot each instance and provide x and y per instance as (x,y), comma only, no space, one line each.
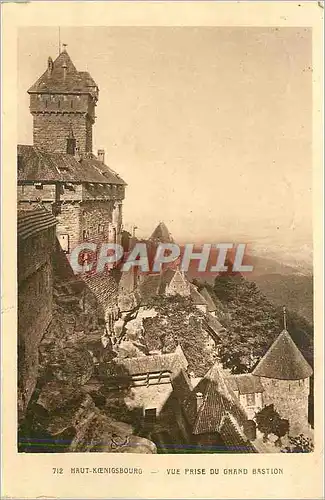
(210,127)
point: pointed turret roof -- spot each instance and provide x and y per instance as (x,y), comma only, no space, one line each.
(283,361)
(162,234)
(62,76)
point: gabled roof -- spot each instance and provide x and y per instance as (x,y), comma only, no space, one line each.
(218,401)
(31,222)
(35,164)
(211,305)
(172,363)
(245,383)
(283,361)
(54,81)
(161,234)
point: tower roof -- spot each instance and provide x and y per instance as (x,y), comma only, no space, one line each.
(162,234)
(283,361)
(62,77)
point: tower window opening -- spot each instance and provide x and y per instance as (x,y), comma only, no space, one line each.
(71,104)
(250,399)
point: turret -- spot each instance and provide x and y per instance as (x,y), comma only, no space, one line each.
(285,375)
(62,102)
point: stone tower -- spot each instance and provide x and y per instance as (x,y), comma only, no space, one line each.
(62,102)
(285,374)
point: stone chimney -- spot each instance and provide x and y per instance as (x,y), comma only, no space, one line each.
(101,155)
(199,401)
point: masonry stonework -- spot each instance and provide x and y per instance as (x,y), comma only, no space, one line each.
(290,400)
(50,131)
(34,307)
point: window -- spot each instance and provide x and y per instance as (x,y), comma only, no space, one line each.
(100,228)
(150,415)
(85,234)
(250,399)
(64,242)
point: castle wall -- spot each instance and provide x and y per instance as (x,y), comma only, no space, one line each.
(51,130)
(93,219)
(97,221)
(251,407)
(290,399)
(34,308)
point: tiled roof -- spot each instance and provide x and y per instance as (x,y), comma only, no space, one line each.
(283,361)
(73,82)
(234,438)
(148,287)
(103,286)
(245,383)
(154,363)
(35,164)
(31,222)
(196,296)
(211,305)
(161,234)
(218,401)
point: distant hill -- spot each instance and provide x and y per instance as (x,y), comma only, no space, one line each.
(281,283)
(292,290)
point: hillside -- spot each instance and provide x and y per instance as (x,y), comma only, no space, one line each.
(294,291)
(253,322)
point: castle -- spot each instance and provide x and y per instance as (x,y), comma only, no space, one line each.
(59,171)
(83,198)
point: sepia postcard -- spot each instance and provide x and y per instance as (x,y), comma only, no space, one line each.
(162,250)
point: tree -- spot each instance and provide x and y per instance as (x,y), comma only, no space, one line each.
(252,323)
(299,444)
(268,422)
(179,322)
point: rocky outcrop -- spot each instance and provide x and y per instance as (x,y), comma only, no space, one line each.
(72,413)
(65,413)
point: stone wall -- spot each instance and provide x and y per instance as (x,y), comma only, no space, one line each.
(290,399)
(101,220)
(51,130)
(80,219)
(70,223)
(251,409)
(34,308)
